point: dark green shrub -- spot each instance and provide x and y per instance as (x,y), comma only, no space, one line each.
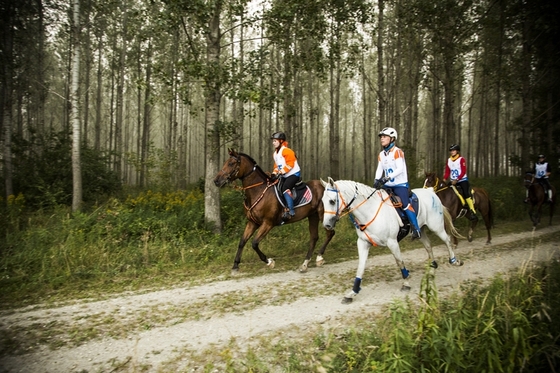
(43,171)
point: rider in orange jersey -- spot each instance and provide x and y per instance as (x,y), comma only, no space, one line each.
(287,167)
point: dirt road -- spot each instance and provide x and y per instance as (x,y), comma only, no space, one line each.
(144,331)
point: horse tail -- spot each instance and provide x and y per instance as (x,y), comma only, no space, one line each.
(490,206)
(490,212)
(448,224)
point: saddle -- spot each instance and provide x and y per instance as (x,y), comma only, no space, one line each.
(301,194)
(398,205)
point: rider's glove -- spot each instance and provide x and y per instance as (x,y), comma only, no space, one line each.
(454,182)
(273,177)
(385,179)
(380,182)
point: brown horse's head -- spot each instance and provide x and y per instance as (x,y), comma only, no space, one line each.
(528,179)
(230,170)
(432,180)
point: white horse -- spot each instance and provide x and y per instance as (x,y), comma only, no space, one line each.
(378,223)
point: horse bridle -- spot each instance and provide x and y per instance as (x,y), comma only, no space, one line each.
(235,171)
(345,210)
(436,183)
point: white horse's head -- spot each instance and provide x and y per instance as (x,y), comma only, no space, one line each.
(331,203)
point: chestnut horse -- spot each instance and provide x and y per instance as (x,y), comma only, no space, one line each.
(450,200)
(537,198)
(264,211)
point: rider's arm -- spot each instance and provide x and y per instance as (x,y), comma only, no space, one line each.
(290,157)
(399,163)
(446,173)
(463,164)
(379,171)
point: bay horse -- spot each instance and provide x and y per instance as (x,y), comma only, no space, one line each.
(378,223)
(264,210)
(449,198)
(537,198)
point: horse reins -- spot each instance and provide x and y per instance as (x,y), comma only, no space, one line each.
(347,211)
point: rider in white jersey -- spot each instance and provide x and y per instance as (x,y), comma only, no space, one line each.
(541,173)
(391,171)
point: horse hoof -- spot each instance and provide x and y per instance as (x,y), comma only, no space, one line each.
(235,272)
(271,263)
(488,242)
(406,288)
(434,264)
(457,263)
(469,239)
(320,261)
(346,300)
(303,269)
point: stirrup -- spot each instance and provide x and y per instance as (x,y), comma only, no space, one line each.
(473,217)
(415,234)
(287,216)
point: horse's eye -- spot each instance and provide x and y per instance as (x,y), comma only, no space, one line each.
(332,202)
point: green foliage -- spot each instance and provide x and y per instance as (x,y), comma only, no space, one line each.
(43,171)
(147,232)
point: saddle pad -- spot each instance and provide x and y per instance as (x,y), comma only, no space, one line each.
(303,196)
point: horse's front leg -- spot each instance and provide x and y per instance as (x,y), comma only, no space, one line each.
(471,230)
(393,245)
(250,228)
(363,252)
(263,231)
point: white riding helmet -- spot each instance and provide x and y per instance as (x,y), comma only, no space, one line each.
(389,131)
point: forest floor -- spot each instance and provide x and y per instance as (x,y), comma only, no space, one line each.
(147,331)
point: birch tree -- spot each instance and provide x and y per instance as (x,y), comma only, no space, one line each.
(75,115)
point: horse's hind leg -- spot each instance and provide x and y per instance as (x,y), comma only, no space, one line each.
(314,237)
(447,240)
(428,246)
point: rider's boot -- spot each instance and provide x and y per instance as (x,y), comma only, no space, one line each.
(473,216)
(290,203)
(412,219)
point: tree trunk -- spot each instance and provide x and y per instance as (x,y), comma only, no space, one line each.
(74,101)
(380,71)
(146,123)
(99,94)
(212,119)
(7,94)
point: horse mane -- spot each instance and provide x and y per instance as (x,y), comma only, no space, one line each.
(257,167)
(362,188)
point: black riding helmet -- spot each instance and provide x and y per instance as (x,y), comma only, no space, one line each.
(278,136)
(455,147)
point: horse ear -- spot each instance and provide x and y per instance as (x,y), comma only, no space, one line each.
(331,181)
(323,183)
